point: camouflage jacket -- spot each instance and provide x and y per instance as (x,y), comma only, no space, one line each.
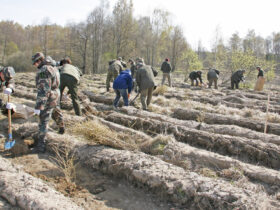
(116,67)
(47,83)
(7,77)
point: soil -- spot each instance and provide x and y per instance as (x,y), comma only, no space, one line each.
(236,161)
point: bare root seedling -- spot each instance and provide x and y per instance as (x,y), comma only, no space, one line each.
(65,160)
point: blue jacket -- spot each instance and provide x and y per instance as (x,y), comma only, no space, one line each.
(123,81)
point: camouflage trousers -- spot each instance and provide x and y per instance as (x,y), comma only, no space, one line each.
(45,116)
(111,76)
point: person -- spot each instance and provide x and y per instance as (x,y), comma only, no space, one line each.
(260,72)
(7,80)
(123,86)
(7,75)
(115,67)
(48,95)
(133,73)
(260,79)
(194,76)
(213,76)
(145,81)
(70,78)
(166,70)
(236,77)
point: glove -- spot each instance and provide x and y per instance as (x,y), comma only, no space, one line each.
(8,91)
(128,95)
(10,106)
(37,112)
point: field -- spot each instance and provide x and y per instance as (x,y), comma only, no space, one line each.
(196,148)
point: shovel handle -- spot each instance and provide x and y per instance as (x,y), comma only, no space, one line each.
(10,121)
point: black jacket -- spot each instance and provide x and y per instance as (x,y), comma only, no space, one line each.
(165,67)
(195,75)
(237,76)
(260,74)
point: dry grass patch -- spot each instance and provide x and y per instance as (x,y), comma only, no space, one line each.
(248,113)
(207,172)
(273,118)
(98,133)
(160,90)
(156,145)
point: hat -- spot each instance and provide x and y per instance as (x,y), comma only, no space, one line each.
(37,56)
(139,60)
(120,58)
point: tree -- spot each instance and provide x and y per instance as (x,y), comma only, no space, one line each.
(178,46)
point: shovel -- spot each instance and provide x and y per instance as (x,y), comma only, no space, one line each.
(10,142)
(131,102)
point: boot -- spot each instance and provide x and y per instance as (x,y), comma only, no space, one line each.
(40,147)
(61,130)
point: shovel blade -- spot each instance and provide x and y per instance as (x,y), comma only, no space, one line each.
(9,144)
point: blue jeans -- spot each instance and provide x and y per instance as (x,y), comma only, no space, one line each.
(119,93)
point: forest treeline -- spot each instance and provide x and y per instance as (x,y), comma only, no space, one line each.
(106,34)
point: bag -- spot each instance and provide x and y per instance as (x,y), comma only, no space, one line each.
(259,84)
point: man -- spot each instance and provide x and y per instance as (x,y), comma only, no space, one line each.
(213,76)
(70,78)
(123,86)
(7,79)
(236,78)
(194,76)
(48,95)
(166,70)
(260,79)
(145,81)
(115,67)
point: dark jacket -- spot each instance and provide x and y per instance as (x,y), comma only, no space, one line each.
(165,67)
(260,74)
(195,75)
(237,76)
(213,74)
(145,77)
(123,81)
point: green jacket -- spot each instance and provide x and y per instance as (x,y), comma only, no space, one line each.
(72,71)
(145,77)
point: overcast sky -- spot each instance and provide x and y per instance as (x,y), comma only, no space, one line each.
(198,18)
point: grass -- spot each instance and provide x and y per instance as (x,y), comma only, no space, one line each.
(160,90)
(65,160)
(98,133)
(156,145)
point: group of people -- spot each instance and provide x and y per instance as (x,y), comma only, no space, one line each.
(236,78)
(53,77)
(139,76)
(51,80)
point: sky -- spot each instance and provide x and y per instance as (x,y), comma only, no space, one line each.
(200,19)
